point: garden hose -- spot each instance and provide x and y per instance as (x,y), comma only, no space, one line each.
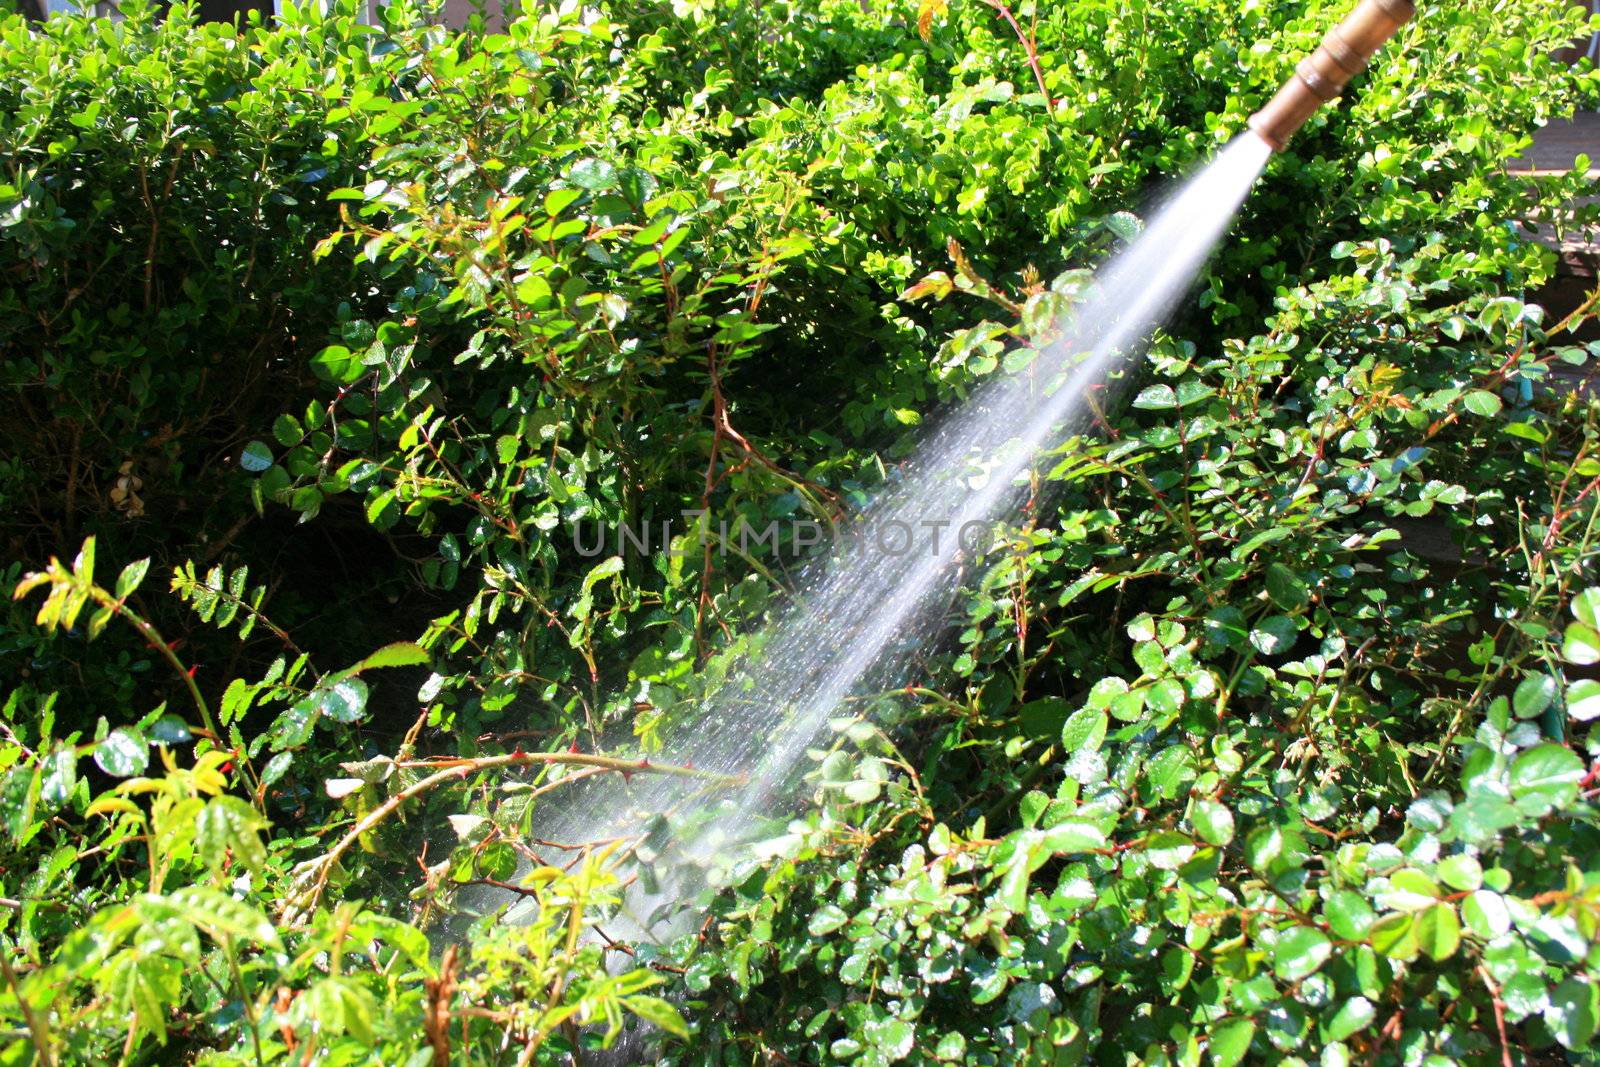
(1322,76)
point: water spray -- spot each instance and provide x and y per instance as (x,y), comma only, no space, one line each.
(1322,76)
(848,632)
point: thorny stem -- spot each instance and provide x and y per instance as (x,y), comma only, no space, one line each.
(153,636)
(1499,1015)
(259,616)
(1030,47)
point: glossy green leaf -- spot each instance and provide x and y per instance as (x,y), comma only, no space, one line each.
(1229,1041)
(256,457)
(123,753)
(1212,821)
(1300,952)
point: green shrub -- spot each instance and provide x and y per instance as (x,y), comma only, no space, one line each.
(1218,759)
(163,186)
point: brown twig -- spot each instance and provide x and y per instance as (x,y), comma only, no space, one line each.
(1499,1015)
(436,1013)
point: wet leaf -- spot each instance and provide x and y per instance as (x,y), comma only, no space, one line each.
(123,754)
(1299,952)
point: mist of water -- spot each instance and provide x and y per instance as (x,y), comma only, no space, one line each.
(861,613)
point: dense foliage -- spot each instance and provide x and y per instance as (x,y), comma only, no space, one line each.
(317,341)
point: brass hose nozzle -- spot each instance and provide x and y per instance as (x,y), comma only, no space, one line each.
(1322,76)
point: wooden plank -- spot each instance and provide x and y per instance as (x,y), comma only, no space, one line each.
(1558,144)
(1555,150)
(1577,248)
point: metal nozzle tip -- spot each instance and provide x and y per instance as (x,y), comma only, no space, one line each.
(1322,76)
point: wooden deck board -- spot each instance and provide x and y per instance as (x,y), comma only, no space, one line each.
(1557,146)
(1555,150)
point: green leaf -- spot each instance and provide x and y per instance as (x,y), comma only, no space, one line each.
(58,774)
(498,861)
(227,825)
(1573,1012)
(1533,694)
(1072,835)
(399,654)
(1411,890)
(342,699)
(1084,730)
(123,754)
(837,768)
(1545,777)
(1582,645)
(595,175)
(286,431)
(1461,872)
(276,767)
(1170,770)
(337,364)
(1438,931)
(341,1006)
(1124,224)
(130,577)
(826,919)
(1228,1041)
(606,568)
(1486,914)
(19,794)
(1348,915)
(1264,845)
(893,1039)
(143,989)
(1212,821)
(658,1013)
(558,200)
(862,792)
(1583,700)
(1299,952)
(1481,816)
(256,457)
(1165,696)
(1043,718)
(1156,398)
(1355,1015)
(1482,402)
(1395,936)
(221,915)
(170,730)
(383,509)
(1585,607)
(1286,588)
(1168,850)
(1225,627)
(1273,635)
(1524,993)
